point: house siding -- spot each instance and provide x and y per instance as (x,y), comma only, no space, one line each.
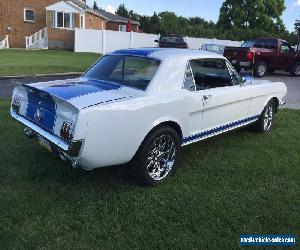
(61,38)
(12,23)
(12,15)
(94,22)
(115,26)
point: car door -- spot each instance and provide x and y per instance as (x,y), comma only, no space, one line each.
(219,99)
(286,56)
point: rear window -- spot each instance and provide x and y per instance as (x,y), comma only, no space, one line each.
(131,71)
(266,44)
(172,39)
(248,44)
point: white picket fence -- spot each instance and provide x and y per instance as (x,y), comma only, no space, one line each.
(4,44)
(105,41)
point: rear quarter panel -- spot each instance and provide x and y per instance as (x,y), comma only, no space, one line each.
(115,131)
(262,92)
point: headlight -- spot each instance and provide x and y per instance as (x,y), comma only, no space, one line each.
(66,131)
(16,104)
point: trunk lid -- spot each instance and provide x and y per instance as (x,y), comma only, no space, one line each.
(51,104)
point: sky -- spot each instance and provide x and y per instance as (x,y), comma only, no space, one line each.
(208,10)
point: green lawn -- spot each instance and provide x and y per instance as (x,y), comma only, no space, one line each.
(22,62)
(241,182)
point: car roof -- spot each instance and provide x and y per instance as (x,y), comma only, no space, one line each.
(165,53)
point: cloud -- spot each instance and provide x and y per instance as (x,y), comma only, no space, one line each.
(111,9)
(296,3)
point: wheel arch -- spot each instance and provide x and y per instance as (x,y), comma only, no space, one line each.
(159,123)
(276,101)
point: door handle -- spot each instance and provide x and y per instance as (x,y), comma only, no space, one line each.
(206,97)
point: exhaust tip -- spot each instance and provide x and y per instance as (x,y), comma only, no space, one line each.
(29,132)
(75,164)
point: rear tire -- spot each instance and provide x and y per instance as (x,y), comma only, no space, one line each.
(158,156)
(295,71)
(260,69)
(265,122)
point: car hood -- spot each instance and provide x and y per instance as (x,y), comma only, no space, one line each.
(85,92)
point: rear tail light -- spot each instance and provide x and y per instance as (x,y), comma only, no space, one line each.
(66,131)
(250,55)
(16,105)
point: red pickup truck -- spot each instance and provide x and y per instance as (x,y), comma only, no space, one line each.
(264,55)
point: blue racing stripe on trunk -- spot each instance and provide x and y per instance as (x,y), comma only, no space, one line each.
(46,106)
(68,90)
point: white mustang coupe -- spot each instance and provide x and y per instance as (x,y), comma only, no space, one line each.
(142,105)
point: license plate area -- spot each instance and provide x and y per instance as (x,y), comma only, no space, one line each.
(44,143)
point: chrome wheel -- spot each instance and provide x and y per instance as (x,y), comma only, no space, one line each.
(297,70)
(268,118)
(261,70)
(161,157)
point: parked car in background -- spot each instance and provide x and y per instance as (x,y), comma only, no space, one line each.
(216,48)
(171,41)
(264,55)
(139,106)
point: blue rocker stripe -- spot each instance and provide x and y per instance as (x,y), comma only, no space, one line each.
(219,129)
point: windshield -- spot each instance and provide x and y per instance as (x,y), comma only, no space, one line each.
(131,71)
(172,39)
(248,44)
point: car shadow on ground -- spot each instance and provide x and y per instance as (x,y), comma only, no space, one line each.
(48,168)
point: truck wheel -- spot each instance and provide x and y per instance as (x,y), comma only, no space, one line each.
(296,69)
(265,122)
(157,157)
(260,69)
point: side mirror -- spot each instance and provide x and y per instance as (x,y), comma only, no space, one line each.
(156,41)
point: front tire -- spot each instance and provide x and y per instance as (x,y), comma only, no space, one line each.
(260,69)
(265,122)
(157,157)
(295,71)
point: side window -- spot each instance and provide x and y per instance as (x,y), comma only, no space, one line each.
(235,77)
(188,79)
(285,47)
(210,73)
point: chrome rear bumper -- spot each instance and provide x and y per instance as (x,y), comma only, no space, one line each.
(61,144)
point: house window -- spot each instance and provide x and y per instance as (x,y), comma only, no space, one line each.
(53,19)
(60,19)
(64,20)
(122,28)
(29,15)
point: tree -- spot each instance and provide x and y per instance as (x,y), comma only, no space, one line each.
(245,19)
(122,11)
(95,6)
(252,14)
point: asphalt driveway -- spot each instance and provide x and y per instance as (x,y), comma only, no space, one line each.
(7,85)
(293,86)
(292,98)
